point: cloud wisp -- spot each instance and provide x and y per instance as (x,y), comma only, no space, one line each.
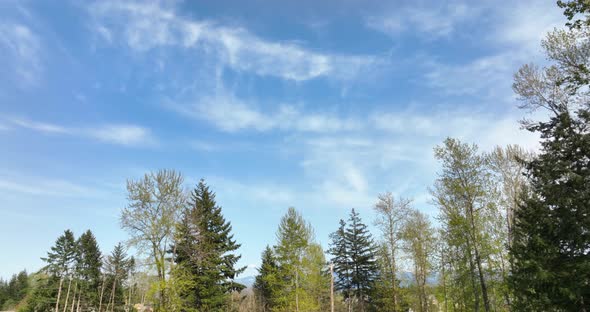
(118,134)
(151,25)
(21,52)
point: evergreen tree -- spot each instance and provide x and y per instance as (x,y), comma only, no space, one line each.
(117,267)
(204,250)
(362,258)
(61,262)
(355,263)
(384,284)
(90,263)
(339,249)
(268,281)
(551,242)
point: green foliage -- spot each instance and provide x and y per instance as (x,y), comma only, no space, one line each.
(155,201)
(62,257)
(268,281)
(419,241)
(293,275)
(204,252)
(89,267)
(354,258)
(551,262)
(117,268)
(551,241)
(469,214)
(14,290)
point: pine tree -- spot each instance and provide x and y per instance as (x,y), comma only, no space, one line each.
(204,250)
(362,258)
(551,242)
(339,249)
(355,263)
(117,266)
(60,263)
(268,281)
(90,263)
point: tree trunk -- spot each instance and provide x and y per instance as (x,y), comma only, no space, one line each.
(101,293)
(61,280)
(296,291)
(68,295)
(444,284)
(331,287)
(393,264)
(78,306)
(472,275)
(113,294)
(74,298)
(482,281)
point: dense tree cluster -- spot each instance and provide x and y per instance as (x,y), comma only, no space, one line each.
(13,290)
(512,232)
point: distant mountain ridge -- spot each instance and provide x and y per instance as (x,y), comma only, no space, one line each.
(247,281)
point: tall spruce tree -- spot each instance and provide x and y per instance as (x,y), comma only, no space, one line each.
(551,242)
(268,281)
(362,258)
(61,261)
(339,249)
(89,264)
(355,264)
(117,267)
(205,251)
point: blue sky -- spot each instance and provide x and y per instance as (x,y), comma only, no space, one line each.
(320,105)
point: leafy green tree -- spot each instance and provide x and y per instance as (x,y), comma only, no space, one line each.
(468,202)
(419,241)
(551,242)
(293,237)
(205,251)
(391,215)
(315,279)
(155,201)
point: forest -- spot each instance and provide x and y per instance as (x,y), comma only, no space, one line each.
(511,230)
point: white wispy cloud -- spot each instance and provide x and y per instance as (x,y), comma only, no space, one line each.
(21,52)
(439,19)
(514,37)
(151,25)
(119,134)
(39,126)
(230,113)
(128,135)
(40,186)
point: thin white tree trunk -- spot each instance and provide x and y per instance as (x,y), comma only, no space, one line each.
(101,294)
(68,295)
(61,280)
(296,290)
(78,306)
(74,298)
(113,294)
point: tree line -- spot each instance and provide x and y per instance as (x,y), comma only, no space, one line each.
(511,232)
